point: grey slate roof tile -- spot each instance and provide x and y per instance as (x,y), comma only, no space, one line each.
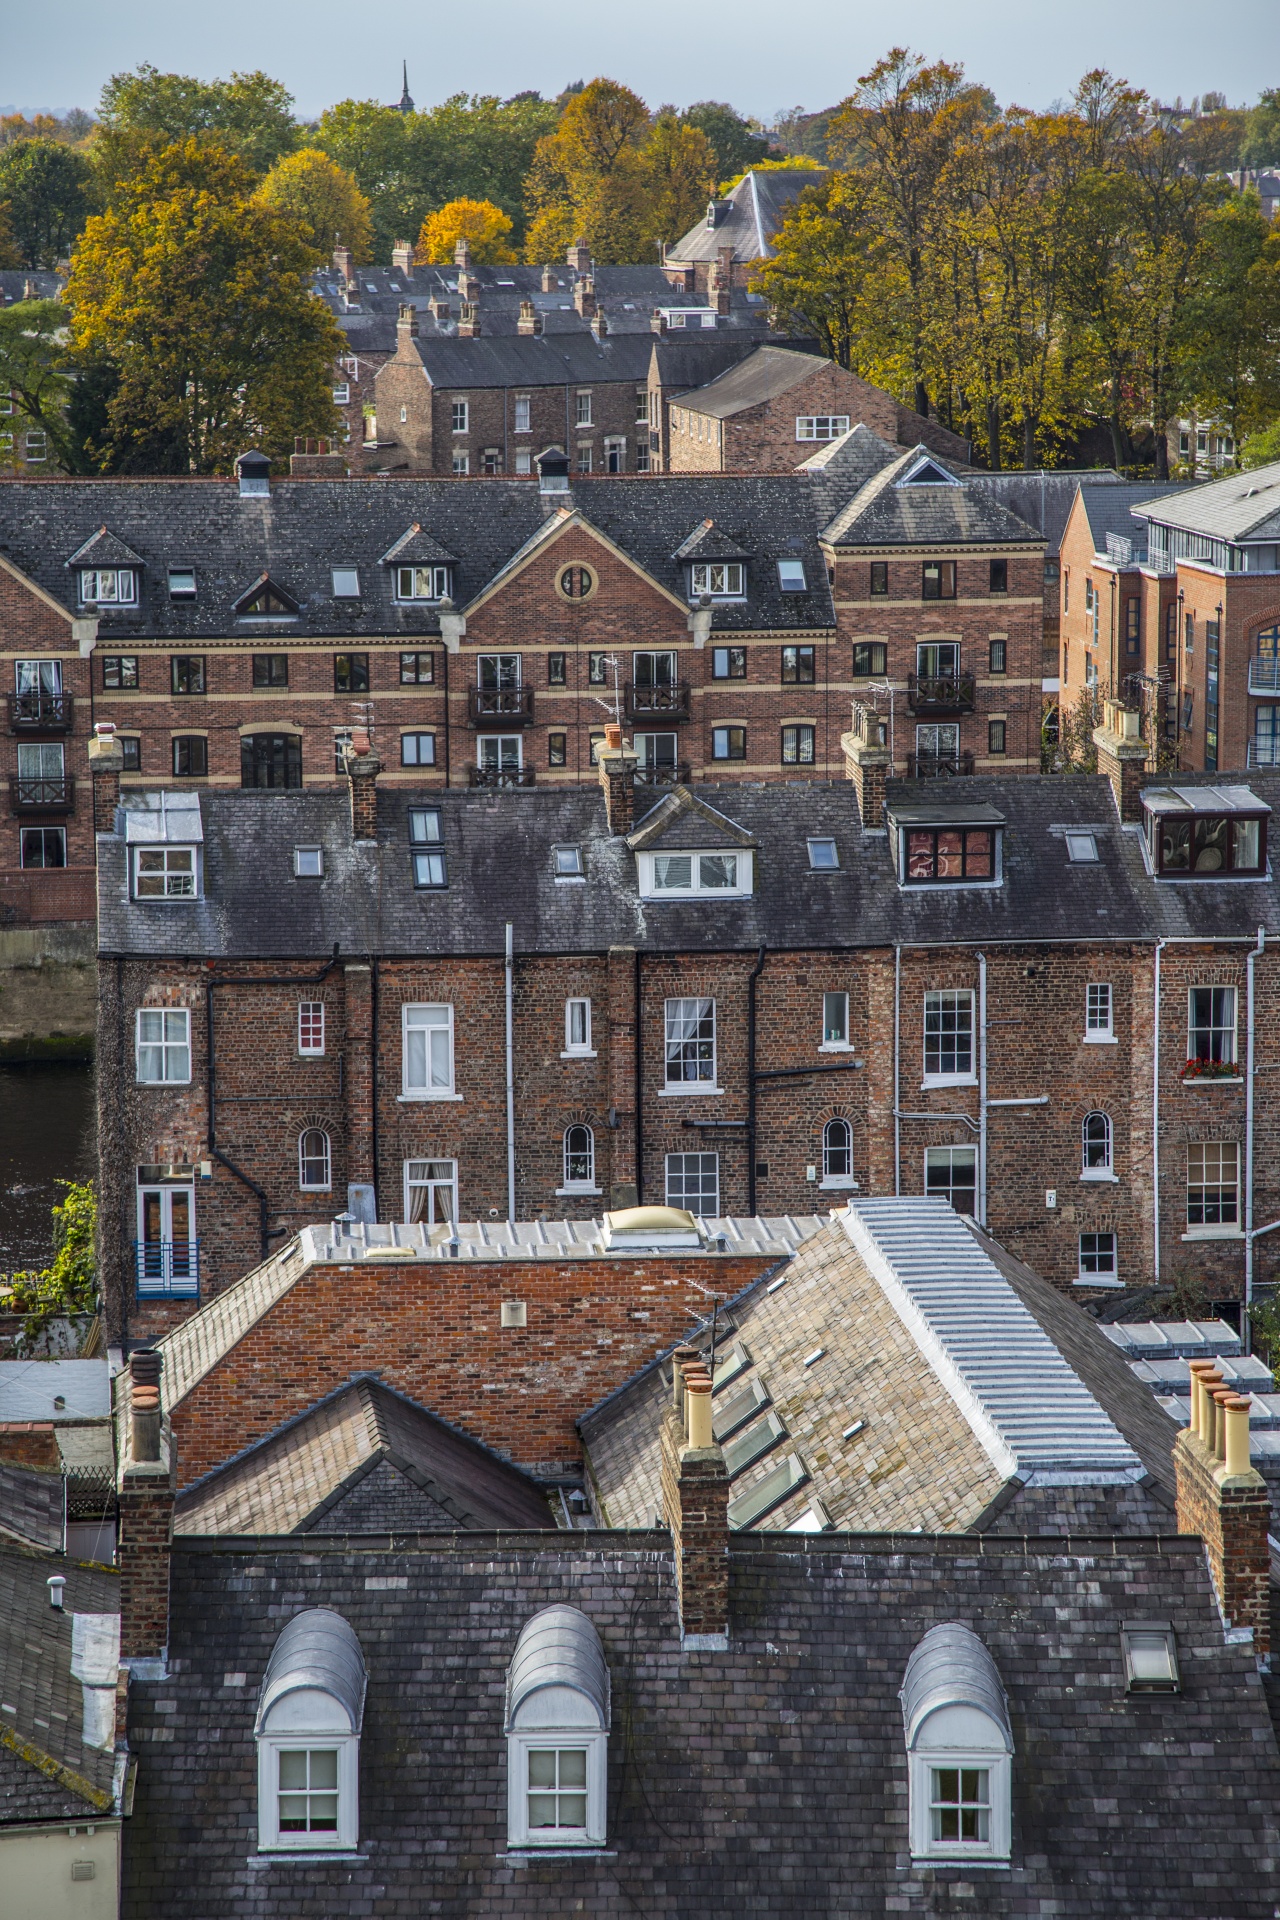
(41,1705)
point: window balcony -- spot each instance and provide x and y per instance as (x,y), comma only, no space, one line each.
(666,773)
(1264,750)
(937,766)
(41,796)
(167,1269)
(940,693)
(657,703)
(1264,673)
(500,776)
(41,712)
(500,707)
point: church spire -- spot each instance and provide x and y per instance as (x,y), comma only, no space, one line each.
(406,98)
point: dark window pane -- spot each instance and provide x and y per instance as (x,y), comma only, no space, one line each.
(870,658)
(271,760)
(270,669)
(190,757)
(351,673)
(556,675)
(999,576)
(879,577)
(187,673)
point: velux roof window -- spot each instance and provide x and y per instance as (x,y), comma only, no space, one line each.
(426,851)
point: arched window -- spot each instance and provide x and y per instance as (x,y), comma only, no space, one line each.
(837,1154)
(1095,1145)
(310,1711)
(557,1733)
(959,1749)
(313,1161)
(579,1158)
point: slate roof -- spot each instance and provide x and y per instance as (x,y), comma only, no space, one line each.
(1241,506)
(304,529)
(46,1770)
(546,360)
(30,1388)
(765,374)
(917,1387)
(253,906)
(680,361)
(365,1459)
(766,1779)
(1044,497)
(31,1506)
(893,509)
(757,207)
(1110,510)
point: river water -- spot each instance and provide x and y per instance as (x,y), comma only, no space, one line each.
(47,1133)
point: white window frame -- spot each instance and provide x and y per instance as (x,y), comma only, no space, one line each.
(1223,1229)
(790,563)
(422,583)
(721,579)
(649,873)
(1227,1028)
(324,1185)
(951,1148)
(108,586)
(821,426)
(172,1040)
(828,1044)
(410,1022)
(308,863)
(311,1028)
(177,869)
(270,1747)
(998,1767)
(1103,1276)
(957,996)
(432,1183)
(582,408)
(682,1008)
(461,461)
(1099,1014)
(519,1744)
(577,1049)
(577,1186)
(677,1200)
(523,413)
(524,459)
(1102,1169)
(460,415)
(345,582)
(342,393)
(837,1182)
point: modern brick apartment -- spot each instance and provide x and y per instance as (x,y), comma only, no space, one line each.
(743,999)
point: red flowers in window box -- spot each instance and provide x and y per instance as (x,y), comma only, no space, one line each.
(1210,1070)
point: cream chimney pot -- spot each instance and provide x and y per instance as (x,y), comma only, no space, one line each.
(698,1400)
(1237,1441)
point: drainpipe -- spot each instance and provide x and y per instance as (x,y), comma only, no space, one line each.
(444,656)
(1155,1122)
(752,977)
(897,1022)
(1248,1131)
(373,1077)
(982,1089)
(639,1072)
(511,1088)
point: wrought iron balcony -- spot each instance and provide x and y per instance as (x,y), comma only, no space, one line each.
(167,1269)
(657,703)
(500,707)
(940,692)
(666,773)
(1264,750)
(41,796)
(1264,674)
(501,776)
(937,766)
(41,712)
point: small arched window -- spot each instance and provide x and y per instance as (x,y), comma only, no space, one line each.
(579,1159)
(837,1154)
(314,1169)
(1095,1156)
(310,1712)
(557,1733)
(959,1749)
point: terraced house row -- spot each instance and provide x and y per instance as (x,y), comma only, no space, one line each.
(1051,1002)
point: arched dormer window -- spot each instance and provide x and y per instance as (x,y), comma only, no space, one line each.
(314,1172)
(1095,1147)
(557,1733)
(959,1749)
(310,1712)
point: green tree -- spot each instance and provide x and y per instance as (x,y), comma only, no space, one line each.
(1261,144)
(678,171)
(1262,448)
(586,178)
(32,372)
(738,143)
(200,296)
(49,193)
(322,201)
(1229,339)
(831,275)
(250,115)
(70,1285)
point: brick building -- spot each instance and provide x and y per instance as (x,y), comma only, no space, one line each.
(736,232)
(736,1000)
(486,628)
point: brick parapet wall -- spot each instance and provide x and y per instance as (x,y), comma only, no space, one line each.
(145,1538)
(695,1503)
(1232,1517)
(30,1443)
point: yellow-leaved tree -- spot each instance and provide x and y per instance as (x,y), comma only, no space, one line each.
(485,228)
(321,200)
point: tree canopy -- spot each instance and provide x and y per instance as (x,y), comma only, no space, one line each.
(32,343)
(485,228)
(737,143)
(250,115)
(322,201)
(47,189)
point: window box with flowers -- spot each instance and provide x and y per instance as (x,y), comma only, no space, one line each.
(1223,1071)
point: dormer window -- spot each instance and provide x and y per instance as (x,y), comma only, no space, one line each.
(266,601)
(1206,833)
(959,1750)
(310,1712)
(253,471)
(164,873)
(557,1726)
(108,587)
(682,876)
(947,846)
(422,583)
(721,579)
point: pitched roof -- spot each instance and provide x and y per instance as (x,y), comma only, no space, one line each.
(30,1389)
(104,549)
(418,546)
(711,542)
(1110,510)
(1240,506)
(366,1459)
(763,375)
(43,1711)
(1043,497)
(901,504)
(683,819)
(539,360)
(748,218)
(31,1505)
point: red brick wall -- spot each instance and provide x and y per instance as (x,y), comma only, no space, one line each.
(1232,1519)
(145,1530)
(433,1332)
(762,439)
(30,1443)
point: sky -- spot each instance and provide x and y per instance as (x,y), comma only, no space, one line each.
(57,54)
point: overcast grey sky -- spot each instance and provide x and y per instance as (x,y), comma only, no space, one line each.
(757,53)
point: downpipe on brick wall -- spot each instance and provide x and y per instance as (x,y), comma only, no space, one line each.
(1155,1118)
(982,1089)
(1248,1135)
(752,977)
(897,1117)
(511,1081)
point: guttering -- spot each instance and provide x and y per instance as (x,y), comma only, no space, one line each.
(511,1083)
(752,978)
(982,1089)
(1155,1117)
(1248,1128)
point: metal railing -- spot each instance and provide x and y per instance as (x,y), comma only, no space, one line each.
(940,692)
(664,773)
(1264,673)
(41,796)
(501,776)
(167,1269)
(666,703)
(40,712)
(938,766)
(1264,750)
(500,706)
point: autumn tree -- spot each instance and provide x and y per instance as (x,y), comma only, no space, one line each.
(830,276)
(1261,144)
(586,180)
(249,115)
(485,228)
(198,295)
(1229,336)
(678,169)
(321,200)
(48,189)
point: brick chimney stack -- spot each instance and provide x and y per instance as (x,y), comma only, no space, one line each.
(1122,756)
(145,1486)
(695,1501)
(721,280)
(106,764)
(584,295)
(1224,1499)
(657,321)
(528,324)
(469,320)
(549,281)
(344,261)
(616,765)
(579,257)
(599,325)
(402,259)
(468,286)
(363,767)
(406,325)
(866,763)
